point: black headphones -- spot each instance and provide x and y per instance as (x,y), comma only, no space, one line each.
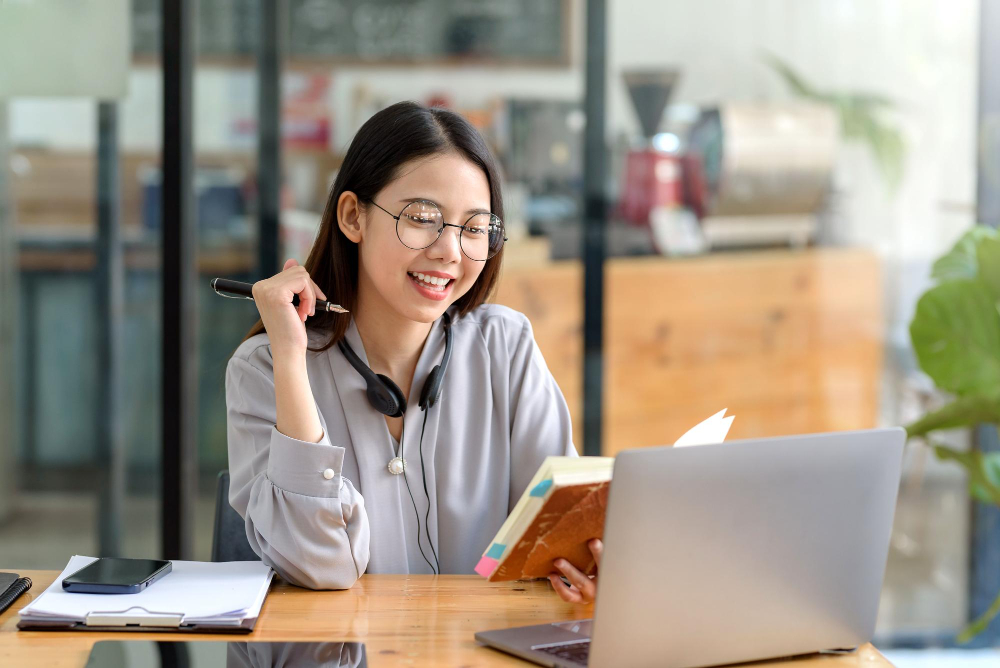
(386,397)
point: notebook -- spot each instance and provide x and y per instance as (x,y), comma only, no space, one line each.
(11,587)
(194,596)
(563,508)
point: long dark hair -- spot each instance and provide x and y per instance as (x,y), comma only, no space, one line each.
(397,134)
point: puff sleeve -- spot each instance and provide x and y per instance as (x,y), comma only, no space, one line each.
(303,518)
(540,423)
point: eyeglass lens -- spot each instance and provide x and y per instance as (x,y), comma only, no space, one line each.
(421,223)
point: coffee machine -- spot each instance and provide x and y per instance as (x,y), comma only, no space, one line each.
(652,170)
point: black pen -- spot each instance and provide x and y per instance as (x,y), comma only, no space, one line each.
(238,290)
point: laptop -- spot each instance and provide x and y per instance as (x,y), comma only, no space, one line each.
(741,551)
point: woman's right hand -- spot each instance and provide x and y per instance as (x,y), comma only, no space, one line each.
(285,323)
(297,416)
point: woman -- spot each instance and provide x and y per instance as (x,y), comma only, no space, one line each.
(411,243)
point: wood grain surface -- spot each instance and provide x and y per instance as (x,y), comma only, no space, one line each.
(791,342)
(404,620)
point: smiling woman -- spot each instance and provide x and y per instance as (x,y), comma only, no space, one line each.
(411,244)
(386,151)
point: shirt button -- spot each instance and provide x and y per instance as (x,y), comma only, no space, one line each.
(328,474)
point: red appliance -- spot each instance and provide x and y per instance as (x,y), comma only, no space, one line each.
(652,176)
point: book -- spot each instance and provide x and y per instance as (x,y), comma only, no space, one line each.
(563,508)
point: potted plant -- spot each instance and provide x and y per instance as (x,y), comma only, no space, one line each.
(863,119)
(955,334)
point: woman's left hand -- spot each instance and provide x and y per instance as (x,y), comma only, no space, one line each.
(584,588)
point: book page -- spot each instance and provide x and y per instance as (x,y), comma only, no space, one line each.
(710,431)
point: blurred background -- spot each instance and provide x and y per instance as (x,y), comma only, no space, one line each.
(770,183)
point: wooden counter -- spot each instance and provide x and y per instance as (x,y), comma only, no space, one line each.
(789,341)
(404,620)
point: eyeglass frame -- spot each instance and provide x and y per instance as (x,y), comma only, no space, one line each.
(444,225)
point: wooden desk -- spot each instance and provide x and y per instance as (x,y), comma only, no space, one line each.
(404,620)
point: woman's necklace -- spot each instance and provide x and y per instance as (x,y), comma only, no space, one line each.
(397,464)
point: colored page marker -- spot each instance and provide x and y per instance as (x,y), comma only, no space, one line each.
(541,488)
(486,566)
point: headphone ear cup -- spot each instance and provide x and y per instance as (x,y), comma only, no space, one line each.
(429,393)
(432,386)
(383,394)
(387,398)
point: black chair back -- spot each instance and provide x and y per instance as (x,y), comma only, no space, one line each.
(229,536)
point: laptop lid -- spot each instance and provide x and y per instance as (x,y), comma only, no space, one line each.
(745,550)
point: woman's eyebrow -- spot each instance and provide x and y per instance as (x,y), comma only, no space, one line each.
(428,199)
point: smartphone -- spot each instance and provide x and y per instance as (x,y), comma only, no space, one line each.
(112,575)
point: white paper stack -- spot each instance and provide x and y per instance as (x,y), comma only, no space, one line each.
(195,595)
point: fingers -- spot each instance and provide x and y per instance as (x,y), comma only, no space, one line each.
(293,280)
(303,286)
(586,586)
(570,595)
(596,546)
(307,301)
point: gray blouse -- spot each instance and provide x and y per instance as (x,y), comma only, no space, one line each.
(295,655)
(321,514)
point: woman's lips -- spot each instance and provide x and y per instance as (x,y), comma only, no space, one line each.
(437,293)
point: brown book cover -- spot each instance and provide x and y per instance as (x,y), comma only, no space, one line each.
(571,516)
(564,507)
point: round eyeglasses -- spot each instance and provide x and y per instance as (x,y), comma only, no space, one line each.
(421,223)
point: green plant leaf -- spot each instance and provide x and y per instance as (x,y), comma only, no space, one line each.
(988,261)
(860,119)
(956,337)
(980,468)
(872,101)
(962,412)
(960,261)
(792,79)
(887,147)
(980,623)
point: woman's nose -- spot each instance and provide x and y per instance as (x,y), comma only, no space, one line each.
(449,245)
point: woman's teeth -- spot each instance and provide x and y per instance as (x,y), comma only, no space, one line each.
(430,282)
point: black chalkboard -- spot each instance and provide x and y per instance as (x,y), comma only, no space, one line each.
(377,31)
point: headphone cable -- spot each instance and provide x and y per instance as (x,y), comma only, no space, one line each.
(416,512)
(423,475)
